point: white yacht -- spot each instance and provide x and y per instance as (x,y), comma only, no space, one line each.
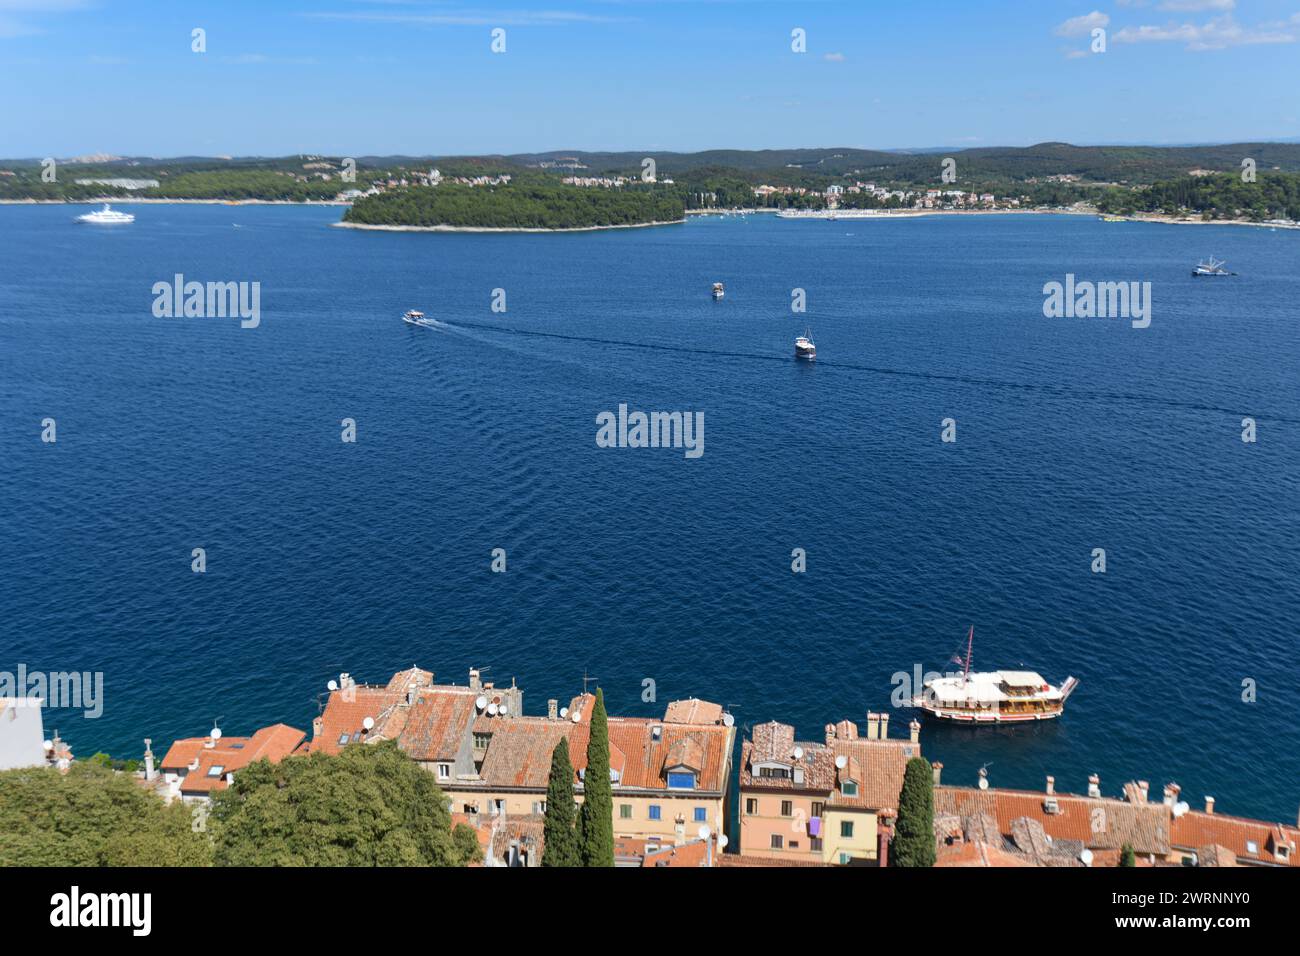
(804,348)
(718,291)
(412,317)
(107,217)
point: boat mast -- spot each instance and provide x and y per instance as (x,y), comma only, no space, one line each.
(970,639)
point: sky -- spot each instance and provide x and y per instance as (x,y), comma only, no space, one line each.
(420,77)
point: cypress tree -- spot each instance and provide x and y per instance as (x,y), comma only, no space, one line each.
(914,842)
(598,794)
(561,838)
(1126,856)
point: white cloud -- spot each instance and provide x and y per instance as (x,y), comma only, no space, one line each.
(1084,25)
(1192,6)
(833,57)
(1216,34)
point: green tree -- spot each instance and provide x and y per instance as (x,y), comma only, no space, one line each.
(598,795)
(1126,856)
(91,816)
(370,805)
(914,843)
(561,837)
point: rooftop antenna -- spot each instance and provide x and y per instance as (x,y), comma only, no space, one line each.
(585,679)
(970,639)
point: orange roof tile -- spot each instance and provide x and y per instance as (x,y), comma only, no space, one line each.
(1196,829)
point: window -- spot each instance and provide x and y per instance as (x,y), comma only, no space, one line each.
(751,805)
(850,788)
(794,844)
(444,771)
(655,813)
(481,741)
(844,859)
(701,814)
(787,808)
(1252,846)
(778,841)
(625,811)
(817,808)
(343,739)
(815,844)
(215,770)
(846,828)
(779,773)
(539,806)
(681,780)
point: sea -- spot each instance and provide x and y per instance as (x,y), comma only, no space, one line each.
(649,572)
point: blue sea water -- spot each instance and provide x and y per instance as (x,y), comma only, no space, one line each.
(636,564)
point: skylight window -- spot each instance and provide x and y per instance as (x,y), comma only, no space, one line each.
(215,770)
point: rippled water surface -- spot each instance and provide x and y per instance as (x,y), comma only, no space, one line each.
(639,563)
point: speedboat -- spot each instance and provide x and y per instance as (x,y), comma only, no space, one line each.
(1212,267)
(804,348)
(107,217)
(717,290)
(412,317)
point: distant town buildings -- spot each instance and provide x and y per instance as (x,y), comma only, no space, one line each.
(131,184)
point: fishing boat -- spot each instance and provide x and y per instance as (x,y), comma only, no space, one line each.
(992,697)
(1212,267)
(717,290)
(107,217)
(804,347)
(412,317)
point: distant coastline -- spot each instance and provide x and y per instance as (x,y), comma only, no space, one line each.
(385,228)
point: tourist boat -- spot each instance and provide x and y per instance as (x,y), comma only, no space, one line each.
(413,317)
(1212,267)
(992,697)
(717,290)
(107,217)
(1112,219)
(804,348)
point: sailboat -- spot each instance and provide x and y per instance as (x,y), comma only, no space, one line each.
(992,697)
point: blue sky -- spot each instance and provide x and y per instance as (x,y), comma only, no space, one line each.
(358,77)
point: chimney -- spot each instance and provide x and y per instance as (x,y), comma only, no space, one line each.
(346,681)
(884,725)
(1145,787)
(1094,785)
(553,709)
(475,684)
(830,734)
(317,726)
(914,728)
(1209,804)
(149,772)
(938,769)
(873,725)
(412,695)
(1051,785)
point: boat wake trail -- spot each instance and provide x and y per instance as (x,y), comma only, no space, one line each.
(1058,391)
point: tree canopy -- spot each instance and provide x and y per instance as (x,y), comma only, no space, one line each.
(370,805)
(598,792)
(91,816)
(914,841)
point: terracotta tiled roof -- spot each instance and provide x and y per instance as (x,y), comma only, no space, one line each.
(229,754)
(345,712)
(435,725)
(692,854)
(735,859)
(1195,829)
(876,765)
(519,755)
(693,711)
(1094,821)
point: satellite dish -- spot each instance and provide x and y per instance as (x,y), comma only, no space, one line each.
(1086,857)
(704,832)
(49,745)
(841,761)
(492,709)
(1181,807)
(503,710)
(798,753)
(216,733)
(722,841)
(368,723)
(577,716)
(564,712)
(984,783)
(728,720)
(332,685)
(480,702)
